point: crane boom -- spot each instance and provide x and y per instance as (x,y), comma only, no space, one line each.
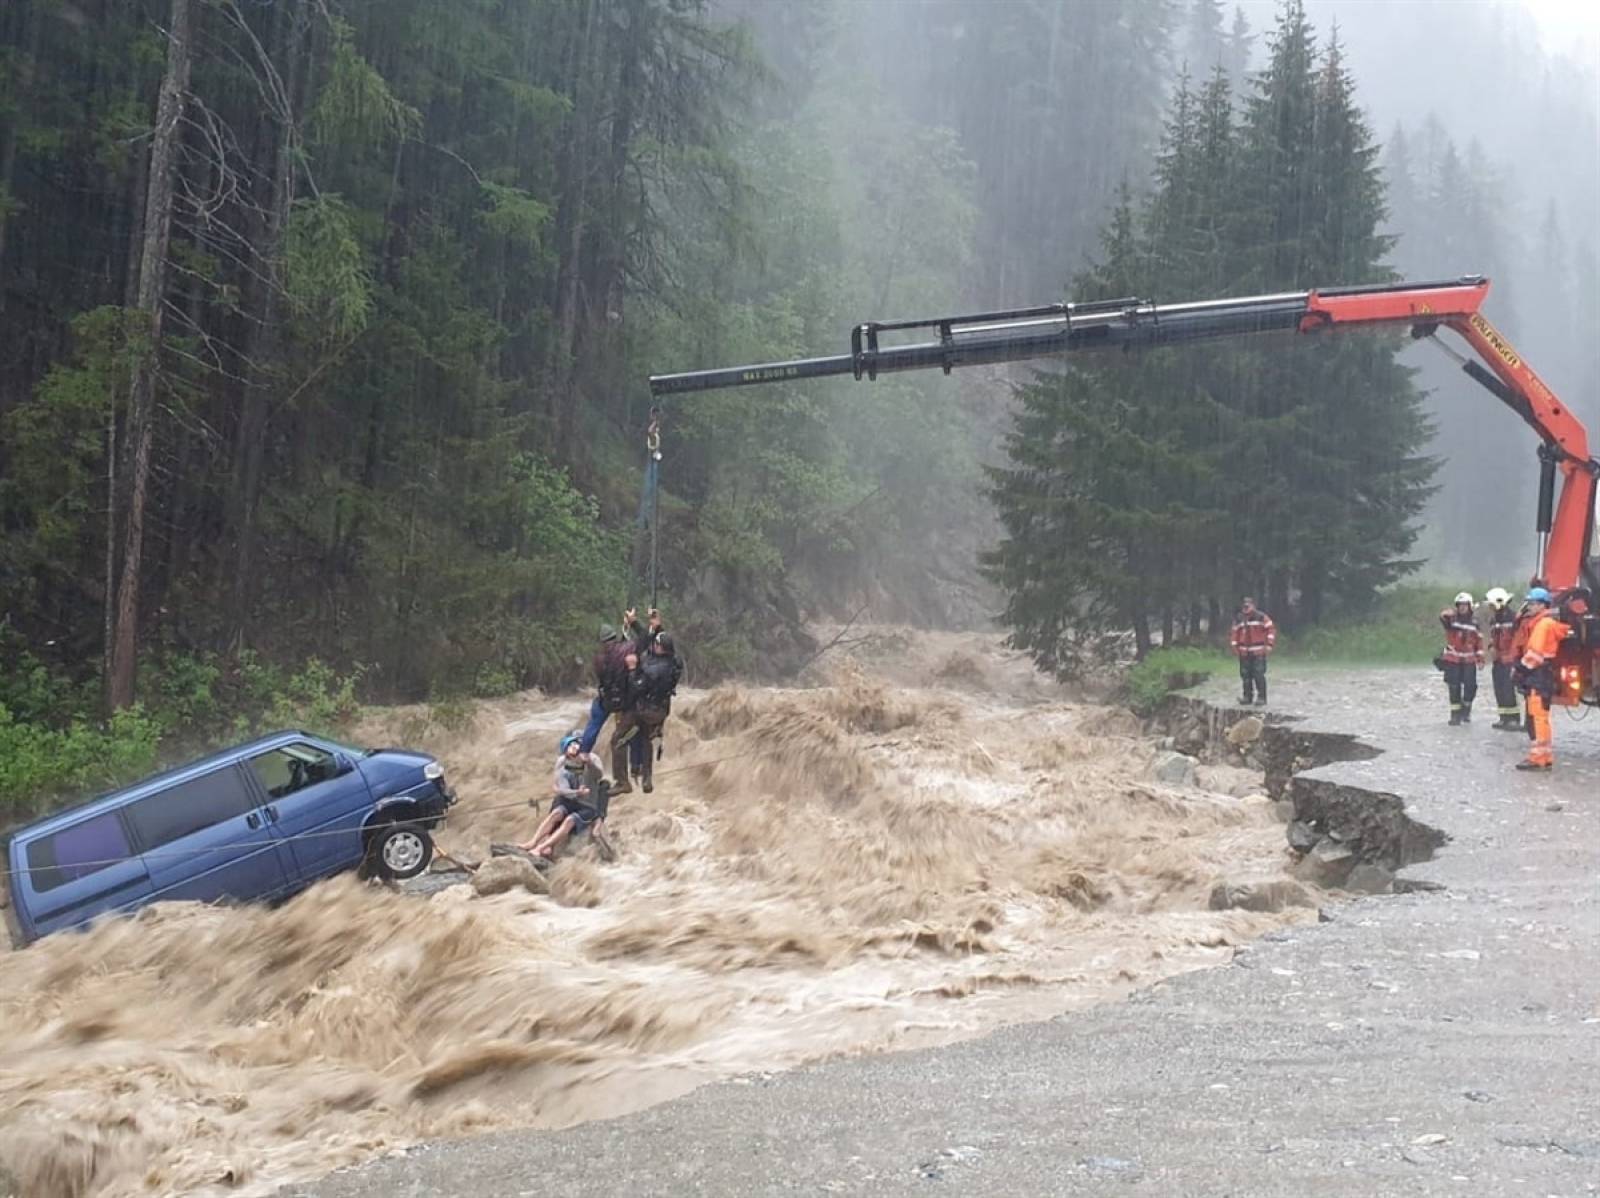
(1059,329)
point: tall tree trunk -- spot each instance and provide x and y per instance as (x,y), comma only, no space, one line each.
(1278,597)
(609,262)
(27,38)
(108,602)
(573,169)
(1141,634)
(141,400)
(290,26)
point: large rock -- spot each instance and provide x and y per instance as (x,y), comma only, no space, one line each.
(1245,732)
(1229,780)
(1329,863)
(1261,894)
(1174,769)
(1303,837)
(1367,878)
(500,874)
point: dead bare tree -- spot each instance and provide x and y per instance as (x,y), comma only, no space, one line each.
(142,397)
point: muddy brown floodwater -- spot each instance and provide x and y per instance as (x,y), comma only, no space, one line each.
(857,866)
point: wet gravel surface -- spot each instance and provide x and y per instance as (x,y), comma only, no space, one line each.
(1437,1042)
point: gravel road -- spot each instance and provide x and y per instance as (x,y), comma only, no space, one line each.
(1436,1042)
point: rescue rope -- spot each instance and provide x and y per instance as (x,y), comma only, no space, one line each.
(649,516)
(176,855)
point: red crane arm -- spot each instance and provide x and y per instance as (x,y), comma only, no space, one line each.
(1457,307)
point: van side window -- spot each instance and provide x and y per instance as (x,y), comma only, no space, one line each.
(189,807)
(77,852)
(291,768)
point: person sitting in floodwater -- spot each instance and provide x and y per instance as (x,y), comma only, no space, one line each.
(581,797)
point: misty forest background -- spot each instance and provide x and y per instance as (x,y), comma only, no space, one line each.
(325,324)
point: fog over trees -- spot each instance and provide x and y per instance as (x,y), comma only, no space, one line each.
(325,324)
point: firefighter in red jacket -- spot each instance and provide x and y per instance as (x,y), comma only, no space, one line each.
(1503,644)
(1252,639)
(1463,654)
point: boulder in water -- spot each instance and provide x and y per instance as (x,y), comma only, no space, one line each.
(500,874)
(1263,894)
(1329,863)
(1174,769)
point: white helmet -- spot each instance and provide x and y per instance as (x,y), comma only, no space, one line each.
(1464,597)
(1498,596)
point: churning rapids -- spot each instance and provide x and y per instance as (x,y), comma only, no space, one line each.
(933,843)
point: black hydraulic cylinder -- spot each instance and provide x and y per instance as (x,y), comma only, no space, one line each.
(1547,488)
(1001,337)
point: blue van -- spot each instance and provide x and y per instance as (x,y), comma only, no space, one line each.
(255,822)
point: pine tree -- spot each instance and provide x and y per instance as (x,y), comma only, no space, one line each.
(1236,53)
(1204,45)
(1172,482)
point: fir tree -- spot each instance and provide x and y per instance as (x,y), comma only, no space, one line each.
(1143,488)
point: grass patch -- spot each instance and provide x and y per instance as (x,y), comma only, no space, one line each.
(1402,628)
(1165,671)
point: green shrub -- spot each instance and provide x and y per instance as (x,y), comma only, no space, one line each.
(1164,671)
(317,699)
(40,765)
(52,750)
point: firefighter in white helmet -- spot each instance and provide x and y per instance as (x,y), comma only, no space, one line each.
(1463,654)
(1503,645)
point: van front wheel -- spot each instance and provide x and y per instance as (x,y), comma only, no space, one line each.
(401,851)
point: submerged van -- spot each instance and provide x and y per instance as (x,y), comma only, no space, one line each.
(255,822)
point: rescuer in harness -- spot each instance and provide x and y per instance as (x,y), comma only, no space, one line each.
(1463,654)
(1503,644)
(641,635)
(656,683)
(611,684)
(1536,675)
(1252,639)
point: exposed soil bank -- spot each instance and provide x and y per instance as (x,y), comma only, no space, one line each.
(1341,835)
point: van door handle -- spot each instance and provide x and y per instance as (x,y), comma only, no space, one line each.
(253,820)
(272,814)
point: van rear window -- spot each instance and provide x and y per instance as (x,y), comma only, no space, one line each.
(77,852)
(189,807)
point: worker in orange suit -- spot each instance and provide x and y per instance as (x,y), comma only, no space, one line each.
(1537,676)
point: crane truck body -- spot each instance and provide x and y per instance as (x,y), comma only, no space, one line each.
(1569,544)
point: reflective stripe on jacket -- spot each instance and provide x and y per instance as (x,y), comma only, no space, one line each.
(1253,634)
(1462,639)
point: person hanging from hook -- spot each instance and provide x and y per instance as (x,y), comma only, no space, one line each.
(641,637)
(651,687)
